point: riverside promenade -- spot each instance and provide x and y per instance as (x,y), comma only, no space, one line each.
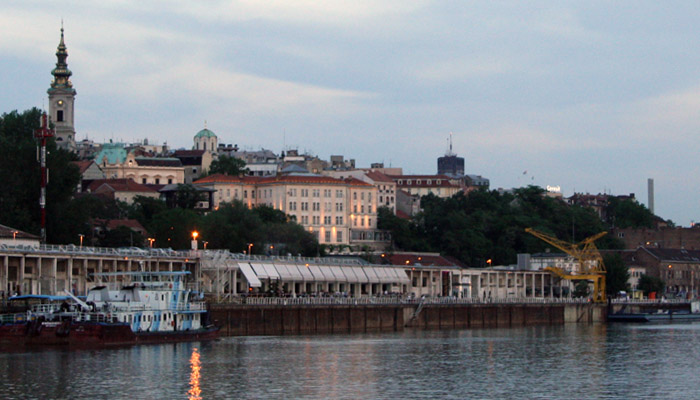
(289,316)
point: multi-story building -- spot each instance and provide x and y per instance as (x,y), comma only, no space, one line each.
(422,185)
(678,268)
(117,163)
(337,211)
(386,187)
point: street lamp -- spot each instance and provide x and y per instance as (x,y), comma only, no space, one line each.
(81,240)
(14,235)
(250,245)
(205,245)
(194,239)
(150,242)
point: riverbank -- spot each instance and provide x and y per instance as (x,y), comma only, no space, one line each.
(254,320)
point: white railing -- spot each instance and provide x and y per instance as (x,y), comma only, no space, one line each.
(292,301)
(651,301)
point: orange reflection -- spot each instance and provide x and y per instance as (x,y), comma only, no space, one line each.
(195,391)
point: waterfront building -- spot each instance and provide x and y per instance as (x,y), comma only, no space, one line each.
(678,268)
(51,269)
(62,100)
(14,237)
(660,237)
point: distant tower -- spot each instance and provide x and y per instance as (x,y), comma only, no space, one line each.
(61,99)
(450,164)
(650,190)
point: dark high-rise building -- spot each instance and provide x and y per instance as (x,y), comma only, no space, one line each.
(450,164)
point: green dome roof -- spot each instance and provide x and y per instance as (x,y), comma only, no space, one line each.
(206,133)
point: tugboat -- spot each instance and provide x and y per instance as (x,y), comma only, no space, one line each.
(149,307)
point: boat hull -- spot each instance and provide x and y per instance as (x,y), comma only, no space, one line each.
(661,317)
(92,334)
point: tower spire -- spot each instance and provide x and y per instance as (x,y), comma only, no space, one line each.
(61,73)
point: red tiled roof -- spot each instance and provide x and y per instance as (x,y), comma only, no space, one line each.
(222,178)
(402,214)
(356,182)
(379,177)
(119,185)
(188,153)
(82,165)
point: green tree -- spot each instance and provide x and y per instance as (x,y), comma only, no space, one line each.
(617,274)
(227,165)
(173,228)
(122,236)
(627,213)
(21,175)
(187,196)
(144,209)
(649,284)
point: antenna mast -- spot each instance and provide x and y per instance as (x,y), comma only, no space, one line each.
(43,133)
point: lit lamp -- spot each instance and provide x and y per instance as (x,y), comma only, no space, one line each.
(150,242)
(250,246)
(194,239)
(205,245)
(81,240)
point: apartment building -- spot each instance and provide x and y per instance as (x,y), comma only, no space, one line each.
(336,211)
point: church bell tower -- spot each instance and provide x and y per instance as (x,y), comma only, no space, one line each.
(61,99)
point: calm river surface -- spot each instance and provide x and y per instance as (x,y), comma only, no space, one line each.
(563,362)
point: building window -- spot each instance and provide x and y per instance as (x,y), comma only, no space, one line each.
(157,181)
(339,236)
(59,116)
(339,194)
(354,195)
(143,180)
(328,236)
(170,181)
(339,220)
(245,194)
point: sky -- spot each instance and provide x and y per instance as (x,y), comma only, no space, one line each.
(591,96)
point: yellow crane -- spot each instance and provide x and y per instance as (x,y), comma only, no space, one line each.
(590,261)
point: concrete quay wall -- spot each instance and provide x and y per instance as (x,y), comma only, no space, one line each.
(256,320)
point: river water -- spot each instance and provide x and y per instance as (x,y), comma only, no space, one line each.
(598,361)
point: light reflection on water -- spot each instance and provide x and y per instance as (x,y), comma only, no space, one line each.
(572,361)
(195,391)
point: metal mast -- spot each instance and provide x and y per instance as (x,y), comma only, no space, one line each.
(43,133)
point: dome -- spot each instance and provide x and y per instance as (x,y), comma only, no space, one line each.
(205,133)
